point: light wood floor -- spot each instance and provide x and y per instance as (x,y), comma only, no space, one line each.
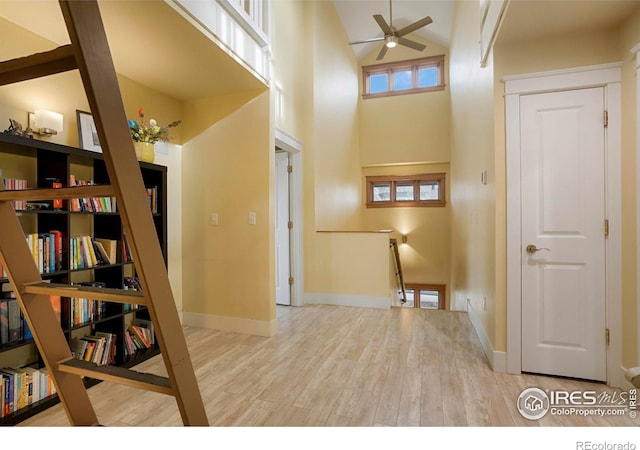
(340,366)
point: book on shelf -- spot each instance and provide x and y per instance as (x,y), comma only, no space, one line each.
(83,253)
(147,327)
(126,250)
(109,354)
(10,390)
(98,348)
(14,321)
(13,184)
(92,204)
(138,334)
(78,347)
(46,250)
(4,321)
(108,248)
(152,199)
(84,310)
(27,386)
(23,386)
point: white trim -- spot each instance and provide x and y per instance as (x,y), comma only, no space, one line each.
(636,51)
(497,360)
(558,80)
(233,324)
(294,147)
(625,384)
(362,301)
(608,76)
(214,22)
(246,22)
(287,142)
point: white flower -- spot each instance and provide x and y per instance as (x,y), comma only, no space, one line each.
(153,122)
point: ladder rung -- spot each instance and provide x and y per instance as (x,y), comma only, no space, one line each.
(118,375)
(61,193)
(90,292)
(37,65)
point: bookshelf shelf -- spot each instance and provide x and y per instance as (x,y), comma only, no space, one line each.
(39,162)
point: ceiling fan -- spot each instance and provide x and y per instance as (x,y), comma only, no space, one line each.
(392,36)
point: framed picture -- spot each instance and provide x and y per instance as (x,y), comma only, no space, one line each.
(87,133)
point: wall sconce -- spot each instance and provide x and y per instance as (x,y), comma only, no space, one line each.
(46,123)
(404,238)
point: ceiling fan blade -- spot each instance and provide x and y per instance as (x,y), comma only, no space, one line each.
(383,52)
(366,41)
(414,26)
(412,44)
(383,24)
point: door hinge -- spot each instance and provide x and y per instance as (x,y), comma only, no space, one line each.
(606,228)
(290,225)
(289,169)
(290,281)
(607,336)
(606,119)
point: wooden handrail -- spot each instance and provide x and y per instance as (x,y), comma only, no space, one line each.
(393,244)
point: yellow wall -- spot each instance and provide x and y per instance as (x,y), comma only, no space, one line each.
(316,96)
(629,37)
(228,270)
(65,94)
(406,128)
(425,258)
(335,115)
(399,135)
(359,264)
(473,252)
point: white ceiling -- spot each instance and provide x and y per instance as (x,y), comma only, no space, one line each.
(525,19)
(530,19)
(359,24)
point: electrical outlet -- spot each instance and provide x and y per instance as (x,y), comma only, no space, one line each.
(214,218)
(252,218)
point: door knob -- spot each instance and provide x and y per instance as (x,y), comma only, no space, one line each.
(532,249)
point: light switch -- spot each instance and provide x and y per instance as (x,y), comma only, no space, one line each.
(214,218)
(252,218)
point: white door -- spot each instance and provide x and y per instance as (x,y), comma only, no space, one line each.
(563,212)
(283,290)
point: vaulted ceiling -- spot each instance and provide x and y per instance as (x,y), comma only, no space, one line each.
(525,19)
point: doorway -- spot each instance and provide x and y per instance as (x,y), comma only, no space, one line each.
(563,196)
(283,235)
(288,220)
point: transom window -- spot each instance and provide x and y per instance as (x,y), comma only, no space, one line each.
(406,190)
(403,77)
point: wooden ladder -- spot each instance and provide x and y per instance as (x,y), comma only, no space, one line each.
(89,53)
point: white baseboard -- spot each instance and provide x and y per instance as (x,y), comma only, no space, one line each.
(363,301)
(622,382)
(497,359)
(227,323)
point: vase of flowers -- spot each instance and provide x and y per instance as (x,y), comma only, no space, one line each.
(145,136)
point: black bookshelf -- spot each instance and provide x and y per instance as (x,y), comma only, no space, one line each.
(40,162)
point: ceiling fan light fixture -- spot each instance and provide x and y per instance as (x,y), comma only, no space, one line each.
(391,41)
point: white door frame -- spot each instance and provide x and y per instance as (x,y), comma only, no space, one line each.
(609,77)
(294,148)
